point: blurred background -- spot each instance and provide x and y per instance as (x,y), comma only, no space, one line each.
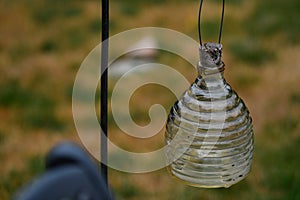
(42,44)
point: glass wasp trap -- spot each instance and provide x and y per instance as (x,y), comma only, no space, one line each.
(212,125)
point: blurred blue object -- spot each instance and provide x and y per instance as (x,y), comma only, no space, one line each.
(70,175)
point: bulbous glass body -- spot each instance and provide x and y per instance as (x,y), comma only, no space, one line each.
(215,143)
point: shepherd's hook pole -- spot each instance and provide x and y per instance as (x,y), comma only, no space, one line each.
(104,88)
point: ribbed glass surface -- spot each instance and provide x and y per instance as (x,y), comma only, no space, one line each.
(215,142)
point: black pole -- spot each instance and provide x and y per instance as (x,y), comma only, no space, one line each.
(104,88)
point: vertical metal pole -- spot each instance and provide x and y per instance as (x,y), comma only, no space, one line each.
(104,88)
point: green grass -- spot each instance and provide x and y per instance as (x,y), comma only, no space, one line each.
(273,17)
(279,160)
(54,10)
(246,80)
(295,98)
(127,191)
(280,167)
(76,37)
(12,94)
(95,25)
(16,178)
(49,45)
(210,30)
(35,110)
(280,130)
(231,2)
(251,51)
(129,10)
(132,7)
(40,113)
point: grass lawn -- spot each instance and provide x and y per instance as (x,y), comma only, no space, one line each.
(42,44)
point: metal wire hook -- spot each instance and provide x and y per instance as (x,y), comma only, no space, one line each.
(221,25)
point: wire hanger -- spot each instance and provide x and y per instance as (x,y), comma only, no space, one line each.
(221,25)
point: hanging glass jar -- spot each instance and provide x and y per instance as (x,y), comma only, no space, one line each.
(215,145)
